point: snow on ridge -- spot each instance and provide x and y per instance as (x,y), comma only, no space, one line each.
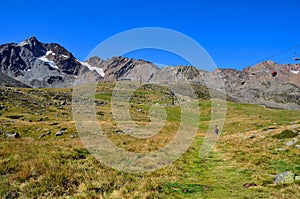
(22,43)
(294,71)
(65,56)
(50,52)
(51,63)
(91,68)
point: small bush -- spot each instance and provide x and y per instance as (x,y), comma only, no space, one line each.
(14,116)
(285,134)
(80,154)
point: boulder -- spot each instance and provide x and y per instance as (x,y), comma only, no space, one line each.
(59,133)
(251,136)
(292,142)
(286,177)
(44,134)
(280,149)
(119,131)
(13,135)
(2,107)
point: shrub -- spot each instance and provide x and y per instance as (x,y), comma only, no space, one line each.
(286,134)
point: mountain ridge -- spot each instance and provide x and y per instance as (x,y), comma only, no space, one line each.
(32,63)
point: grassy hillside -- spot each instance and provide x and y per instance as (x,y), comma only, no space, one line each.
(60,166)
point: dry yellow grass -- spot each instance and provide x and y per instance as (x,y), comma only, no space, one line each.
(60,167)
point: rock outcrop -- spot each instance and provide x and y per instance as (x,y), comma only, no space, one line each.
(31,63)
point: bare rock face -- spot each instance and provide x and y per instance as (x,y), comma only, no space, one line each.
(284,178)
(97,62)
(34,46)
(256,85)
(118,67)
(32,63)
(65,61)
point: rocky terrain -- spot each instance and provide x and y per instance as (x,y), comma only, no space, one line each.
(34,64)
(254,85)
(31,63)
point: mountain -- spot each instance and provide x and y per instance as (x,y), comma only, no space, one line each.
(254,85)
(32,63)
(122,67)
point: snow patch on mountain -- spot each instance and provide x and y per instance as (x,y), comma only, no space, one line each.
(51,63)
(50,52)
(294,71)
(91,68)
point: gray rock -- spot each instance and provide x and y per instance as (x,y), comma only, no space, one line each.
(280,149)
(292,142)
(251,136)
(297,146)
(119,132)
(73,136)
(297,178)
(284,178)
(59,133)
(271,128)
(13,135)
(44,134)
(2,107)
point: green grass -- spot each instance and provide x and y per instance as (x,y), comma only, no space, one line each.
(61,167)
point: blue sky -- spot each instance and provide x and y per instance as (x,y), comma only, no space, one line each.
(235,33)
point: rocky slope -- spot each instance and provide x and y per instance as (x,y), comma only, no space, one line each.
(34,64)
(257,85)
(119,67)
(254,85)
(31,63)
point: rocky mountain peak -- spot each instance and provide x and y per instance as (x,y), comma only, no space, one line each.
(64,59)
(95,61)
(32,63)
(34,46)
(35,64)
(30,41)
